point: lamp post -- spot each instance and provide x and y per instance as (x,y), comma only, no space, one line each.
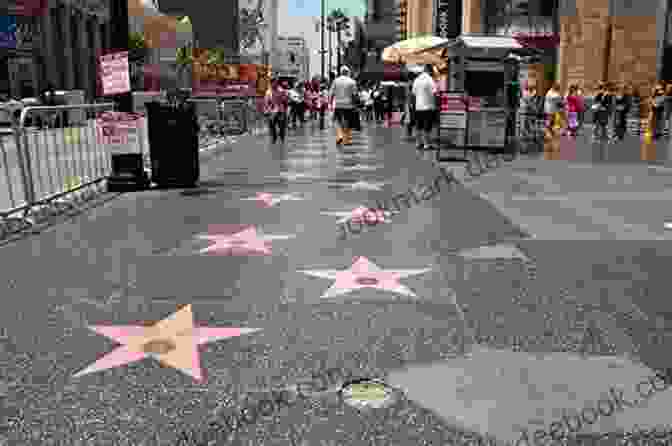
(120,32)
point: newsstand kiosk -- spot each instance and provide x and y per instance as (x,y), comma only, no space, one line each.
(478,107)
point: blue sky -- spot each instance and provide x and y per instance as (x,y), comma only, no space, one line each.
(311,8)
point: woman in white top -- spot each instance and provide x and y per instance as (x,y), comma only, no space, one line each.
(553,107)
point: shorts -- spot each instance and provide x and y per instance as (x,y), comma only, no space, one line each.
(343,117)
(424,119)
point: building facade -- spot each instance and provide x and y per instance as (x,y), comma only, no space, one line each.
(56,44)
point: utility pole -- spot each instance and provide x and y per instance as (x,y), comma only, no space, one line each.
(120,31)
(322,34)
(331,50)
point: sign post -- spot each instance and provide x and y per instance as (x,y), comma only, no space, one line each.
(117,129)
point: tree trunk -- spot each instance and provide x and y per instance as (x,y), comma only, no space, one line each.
(338,49)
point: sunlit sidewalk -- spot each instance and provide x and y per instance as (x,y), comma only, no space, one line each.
(503,393)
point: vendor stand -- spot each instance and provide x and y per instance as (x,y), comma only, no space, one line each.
(479,102)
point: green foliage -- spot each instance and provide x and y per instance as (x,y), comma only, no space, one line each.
(137,48)
(550,72)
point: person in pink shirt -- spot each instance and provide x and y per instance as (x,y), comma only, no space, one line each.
(573,104)
(276,104)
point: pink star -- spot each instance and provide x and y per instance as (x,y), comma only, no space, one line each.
(266,199)
(173,341)
(236,240)
(365,274)
(362,214)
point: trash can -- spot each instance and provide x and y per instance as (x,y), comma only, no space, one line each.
(173,144)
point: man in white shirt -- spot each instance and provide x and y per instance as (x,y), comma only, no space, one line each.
(343,90)
(424,90)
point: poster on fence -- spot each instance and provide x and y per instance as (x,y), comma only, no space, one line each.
(114,73)
(121,132)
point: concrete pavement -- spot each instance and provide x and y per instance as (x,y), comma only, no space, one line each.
(441,296)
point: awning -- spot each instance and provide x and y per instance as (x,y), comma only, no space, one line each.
(494,46)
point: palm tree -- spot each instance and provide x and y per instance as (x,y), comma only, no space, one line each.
(184,58)
(138,53)
(338,21)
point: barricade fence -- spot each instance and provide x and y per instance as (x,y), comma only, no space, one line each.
(53,151)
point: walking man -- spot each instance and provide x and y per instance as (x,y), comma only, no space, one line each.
(424,90)
(343,93)
(276,104)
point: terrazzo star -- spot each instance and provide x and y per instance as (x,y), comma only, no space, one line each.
(172,341)
(365,274)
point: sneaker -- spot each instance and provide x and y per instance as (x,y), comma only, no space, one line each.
(420,147)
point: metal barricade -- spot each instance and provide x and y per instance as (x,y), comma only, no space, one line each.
(53,156)
(530,132)
(257,122)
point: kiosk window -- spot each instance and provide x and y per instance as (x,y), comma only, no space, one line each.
(488,85)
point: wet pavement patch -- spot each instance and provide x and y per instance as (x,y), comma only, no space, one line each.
(421,193)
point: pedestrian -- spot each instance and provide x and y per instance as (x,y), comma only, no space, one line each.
(668,108)
(582,107)
(553,106)
(424,90)
(368,105)
(294,102)
(622,105)
(378,105)
(364,96)
(601,111)
(410,106)
(388,104)
(276,105)
(657,105)
(572,108)
(343,94)
(528,119)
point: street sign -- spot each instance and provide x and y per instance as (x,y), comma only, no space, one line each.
(119,131)
(114,73)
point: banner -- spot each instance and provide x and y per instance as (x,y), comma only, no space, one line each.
(114,73)
(7,31)
(448,18)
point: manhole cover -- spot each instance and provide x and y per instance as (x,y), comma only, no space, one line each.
(365,394)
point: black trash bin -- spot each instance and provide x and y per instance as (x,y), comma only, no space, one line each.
(173,144)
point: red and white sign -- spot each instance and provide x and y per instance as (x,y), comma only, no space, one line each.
(453,111)
(120,131)
(452,102)
(114,73)
(475,104)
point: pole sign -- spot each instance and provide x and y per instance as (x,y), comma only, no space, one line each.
(448,18)
(114,73)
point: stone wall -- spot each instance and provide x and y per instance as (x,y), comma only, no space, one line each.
(618,47)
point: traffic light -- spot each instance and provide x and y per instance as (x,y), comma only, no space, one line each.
(403,19)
